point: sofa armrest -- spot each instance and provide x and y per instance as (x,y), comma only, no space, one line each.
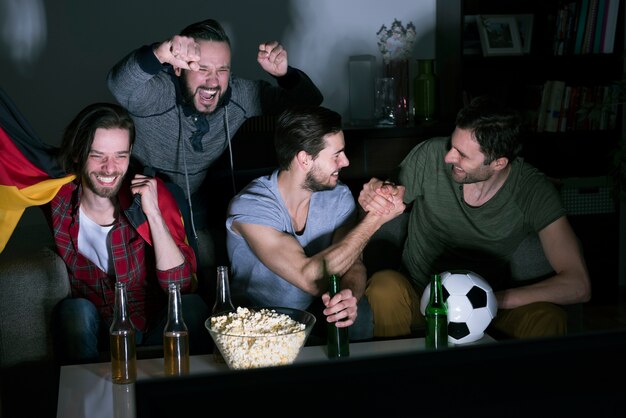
(30,288)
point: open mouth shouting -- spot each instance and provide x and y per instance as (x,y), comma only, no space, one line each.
(208,97)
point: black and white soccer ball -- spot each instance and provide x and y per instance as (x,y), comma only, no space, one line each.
(471,305)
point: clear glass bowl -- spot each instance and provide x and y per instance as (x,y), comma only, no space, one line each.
(260,337)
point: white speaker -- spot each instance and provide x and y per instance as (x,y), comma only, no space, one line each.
(361,70)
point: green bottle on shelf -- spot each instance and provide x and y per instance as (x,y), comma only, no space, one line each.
(425,92)
(436,314)
(338,340)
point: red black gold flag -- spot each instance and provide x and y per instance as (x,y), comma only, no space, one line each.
(29,172)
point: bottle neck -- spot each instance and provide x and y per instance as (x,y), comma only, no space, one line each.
(333,284)
(333,280)
(174,306)
(222,295)
(436,293)
(425,66)
(120,313)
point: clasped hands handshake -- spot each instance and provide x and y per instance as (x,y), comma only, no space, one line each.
(382,198)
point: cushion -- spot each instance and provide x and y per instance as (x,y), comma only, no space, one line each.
(30,288)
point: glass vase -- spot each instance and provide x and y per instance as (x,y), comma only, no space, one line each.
(399,71)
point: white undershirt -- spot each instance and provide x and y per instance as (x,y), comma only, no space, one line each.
(93,241)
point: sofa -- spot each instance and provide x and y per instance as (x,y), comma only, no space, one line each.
(33,282)
(31,286)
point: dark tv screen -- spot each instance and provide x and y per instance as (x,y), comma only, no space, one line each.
(565,376)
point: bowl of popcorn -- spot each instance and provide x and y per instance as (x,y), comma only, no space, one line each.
(260,337)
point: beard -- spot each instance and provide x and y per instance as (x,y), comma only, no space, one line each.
(189,94)
(103,191)
(474,177)
(311,183)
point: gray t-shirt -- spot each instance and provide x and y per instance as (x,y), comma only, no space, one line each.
(260,203)
(445,233)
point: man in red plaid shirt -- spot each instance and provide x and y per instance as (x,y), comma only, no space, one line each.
(103,237)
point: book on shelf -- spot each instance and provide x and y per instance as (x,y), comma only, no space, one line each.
(557,106)
(563,117)
(544,106)
(582,22)
(610,25)
(574,103)
(559,33)
(582,121)
(572,23)
(585,27)
(599,27)
(605,108)
(615,93)
(587,46)
(553,113)
(567,26)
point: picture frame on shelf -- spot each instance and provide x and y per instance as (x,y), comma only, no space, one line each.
(499,35)
(525,26)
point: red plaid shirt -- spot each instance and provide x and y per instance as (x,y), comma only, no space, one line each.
(133,260)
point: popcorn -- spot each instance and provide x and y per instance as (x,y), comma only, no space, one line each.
(257,338)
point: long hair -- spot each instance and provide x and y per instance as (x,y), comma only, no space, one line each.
(495,127)
(303,129)
(79,134)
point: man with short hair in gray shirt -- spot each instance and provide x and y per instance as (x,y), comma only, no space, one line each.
(283,227)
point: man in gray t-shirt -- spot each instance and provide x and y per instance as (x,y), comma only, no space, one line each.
(473,203)
(282,228)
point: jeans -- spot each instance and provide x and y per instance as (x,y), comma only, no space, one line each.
(363,327)
(80,333)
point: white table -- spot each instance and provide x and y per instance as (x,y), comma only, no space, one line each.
(86,390)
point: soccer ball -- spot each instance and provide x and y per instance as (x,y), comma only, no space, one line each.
(471,305)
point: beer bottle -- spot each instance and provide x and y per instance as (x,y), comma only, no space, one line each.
(436,313)
(175,336)
(338,340)
(122,340)
(222,303)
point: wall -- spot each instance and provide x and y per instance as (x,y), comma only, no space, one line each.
(55,59)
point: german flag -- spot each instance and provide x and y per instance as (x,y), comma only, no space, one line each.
(29,172)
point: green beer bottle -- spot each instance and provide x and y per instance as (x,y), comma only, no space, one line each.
(338,342)
(436,313)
